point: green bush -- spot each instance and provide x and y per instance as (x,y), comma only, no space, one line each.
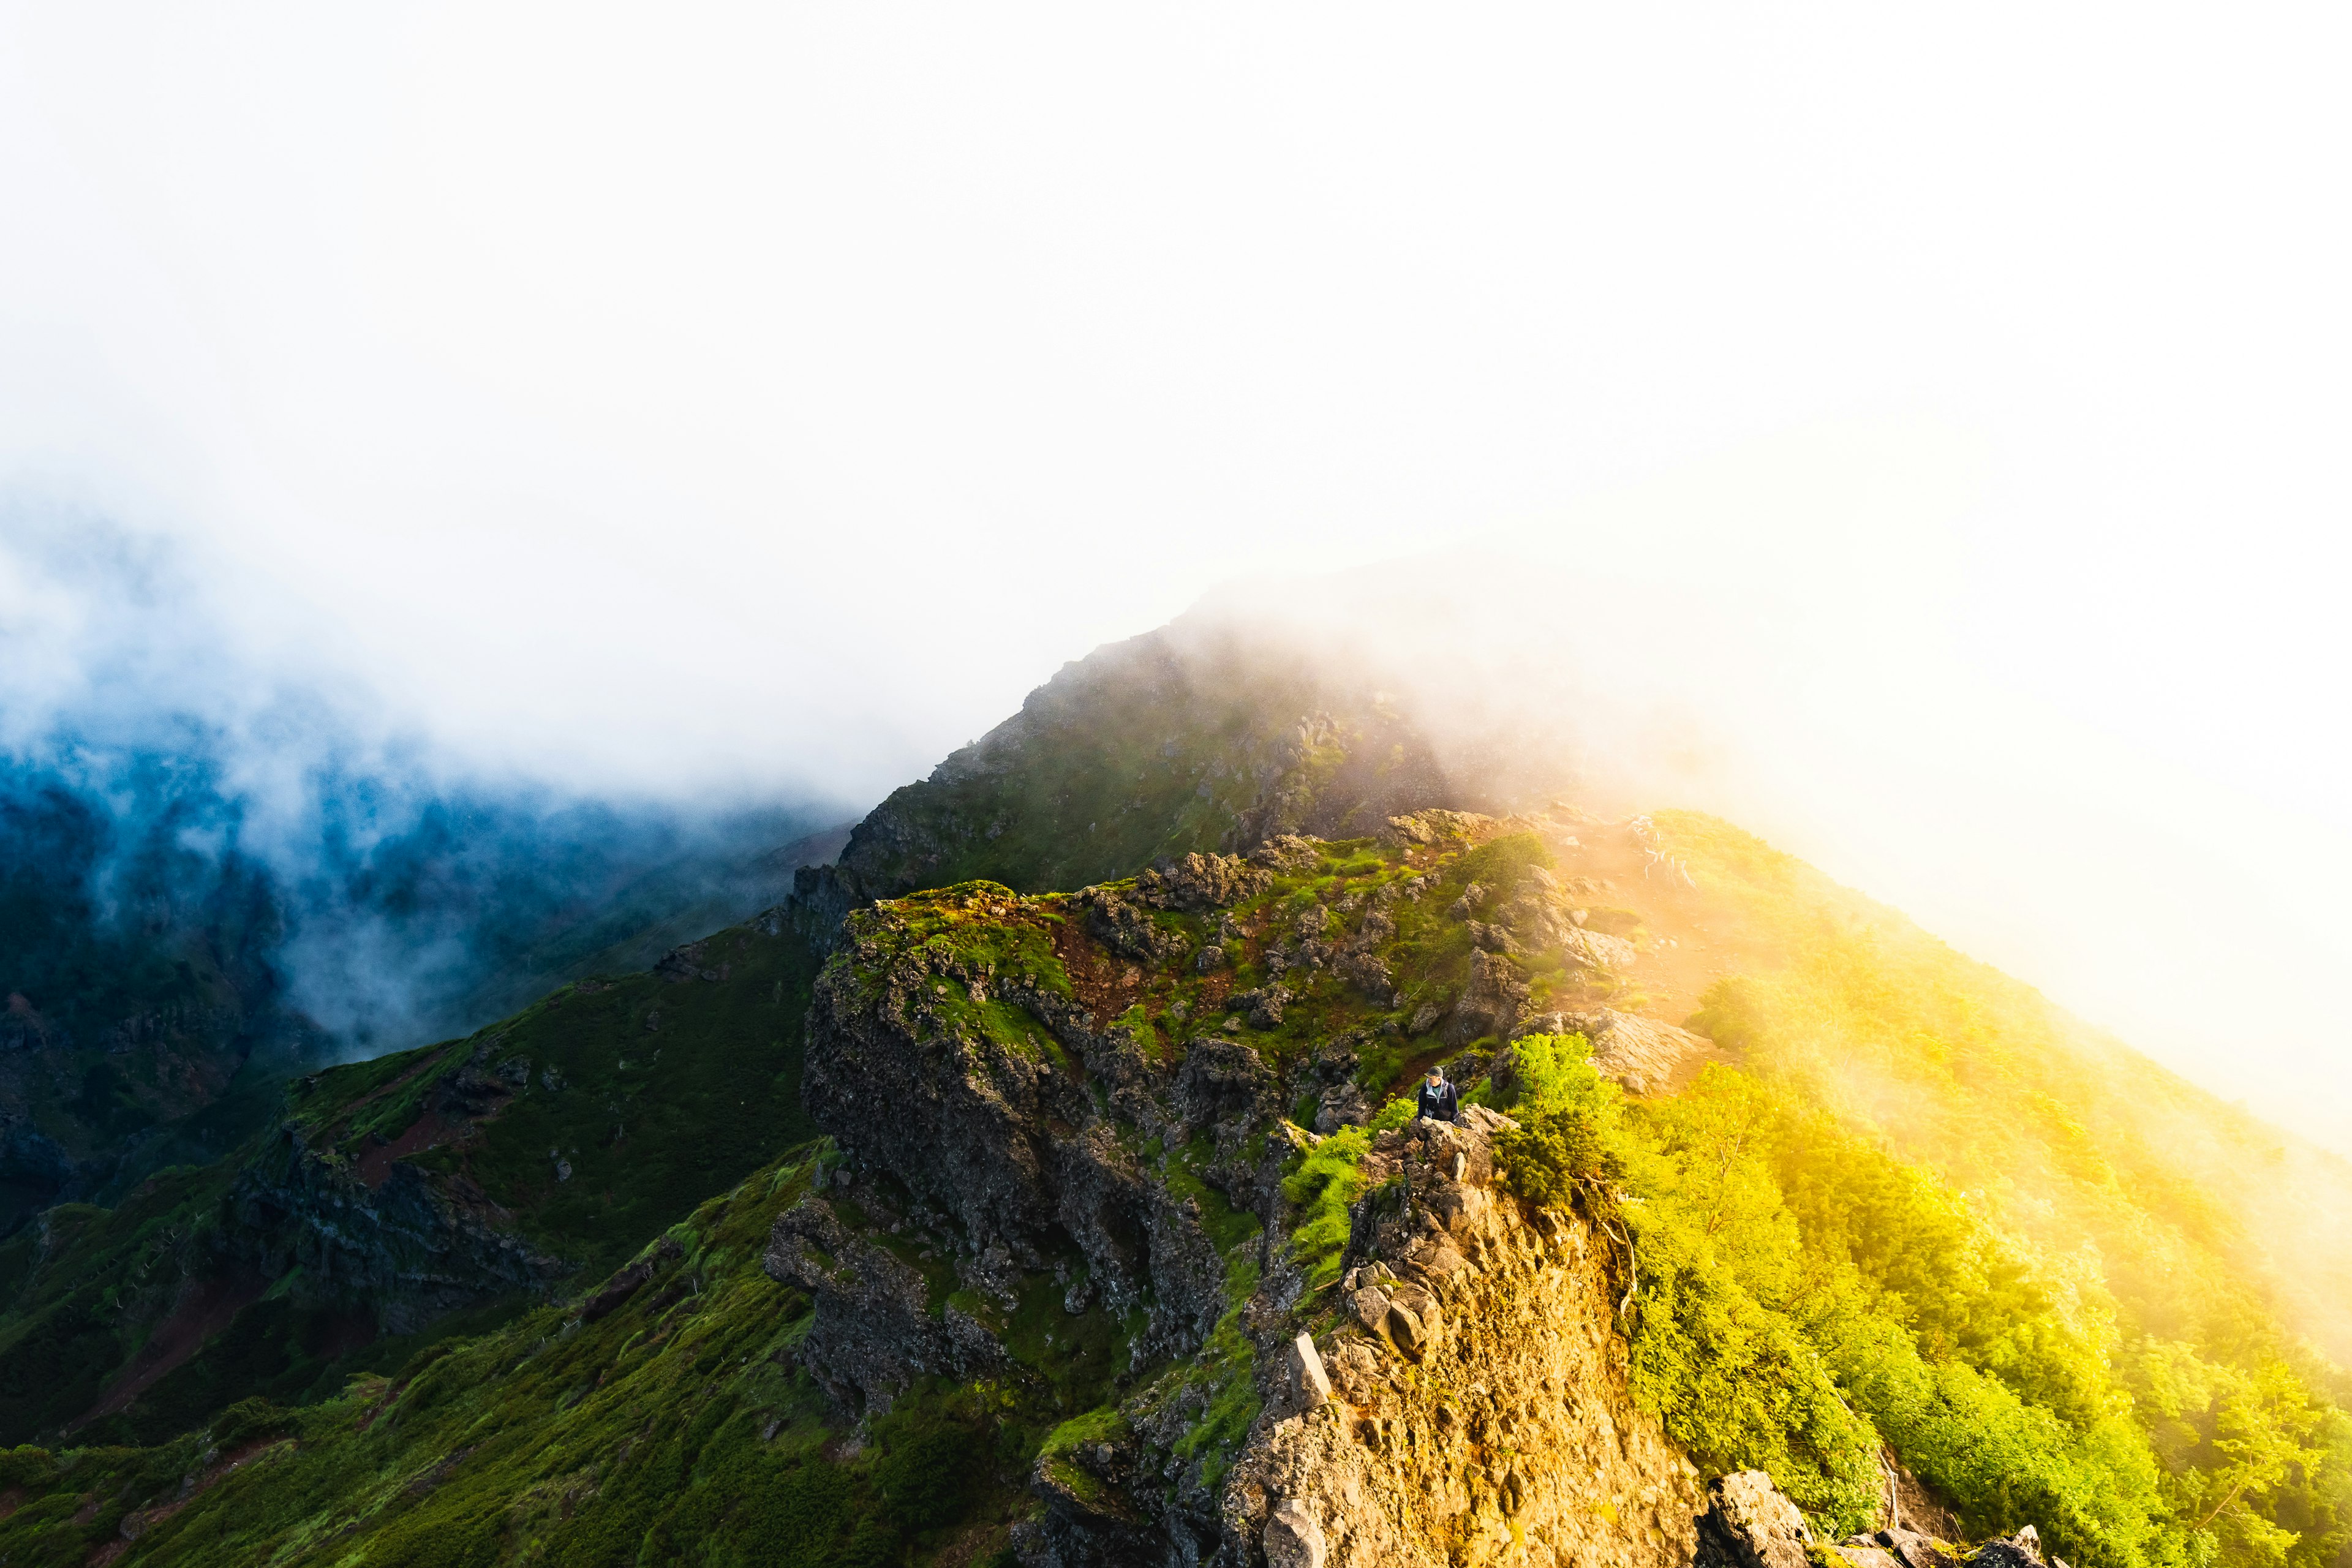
(1793,1297)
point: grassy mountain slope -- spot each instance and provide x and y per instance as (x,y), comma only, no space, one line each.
(1190,737)
(576,1130)
(1811,1251)
(1899,1200)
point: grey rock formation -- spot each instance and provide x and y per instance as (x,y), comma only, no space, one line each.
(1490,1004)
(1198,883)
(1125,926)
(1748,1524)
(874,1331)
(1293,1539)
(1342,1105)
(1643,1054)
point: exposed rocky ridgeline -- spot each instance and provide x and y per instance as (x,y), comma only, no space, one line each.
(1120,1250)
(1361,1350)
(1069,1281)
(1043,1091)
(1476,1408)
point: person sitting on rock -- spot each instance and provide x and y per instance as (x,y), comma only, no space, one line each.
(1438,1101)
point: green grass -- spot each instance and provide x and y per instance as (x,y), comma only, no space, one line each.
(650,1121)
(549,1441)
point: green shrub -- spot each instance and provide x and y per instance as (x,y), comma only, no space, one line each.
(1783,1284)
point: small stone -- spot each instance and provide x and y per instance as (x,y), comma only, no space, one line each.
(1293,1539)
(1404,1331)
(1371,1307)
(1307,1378)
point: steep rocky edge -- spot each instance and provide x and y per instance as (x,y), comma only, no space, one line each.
(1399,1363)
(1076,1339)
(1336,1021)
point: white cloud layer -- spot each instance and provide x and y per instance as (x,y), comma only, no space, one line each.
(1947,408)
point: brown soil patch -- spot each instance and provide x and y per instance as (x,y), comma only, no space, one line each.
(1105,985)
(203,1313)
(380,1091)
(431,1128)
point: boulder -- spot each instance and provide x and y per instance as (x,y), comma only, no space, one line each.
(1402,1326)
(1749,1524)
(1310,1386)
(1490,1004)
(1293,1539)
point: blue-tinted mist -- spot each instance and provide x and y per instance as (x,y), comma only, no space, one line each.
(213,873)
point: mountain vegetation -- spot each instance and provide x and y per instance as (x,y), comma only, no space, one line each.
(973,1205)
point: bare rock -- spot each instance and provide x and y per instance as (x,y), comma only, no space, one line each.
(1125,926)
(1293,1539)
(1490,1004)
(1199,883)
(1403,1327)
(1909,1548)
(1342,1105)
(1597,949)
(1748,1524)
(1310,1385)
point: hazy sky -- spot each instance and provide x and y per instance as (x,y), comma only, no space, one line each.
(1946,414)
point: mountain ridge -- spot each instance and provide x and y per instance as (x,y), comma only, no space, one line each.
(1871,1164)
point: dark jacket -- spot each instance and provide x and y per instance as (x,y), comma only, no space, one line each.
(1441,1103)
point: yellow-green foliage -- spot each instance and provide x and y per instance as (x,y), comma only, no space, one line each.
(1733,1381)
(2110,1208)
(1796,1296)
(1326,1181)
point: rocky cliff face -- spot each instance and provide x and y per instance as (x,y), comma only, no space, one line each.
(1044,1089)
(1056,1119)
(1477,1409)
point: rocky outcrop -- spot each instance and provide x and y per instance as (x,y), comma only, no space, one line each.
(1456,1396)
(1748,1524)
(1198,883)
(1490,1004)
(414,1248)
(1005,1134)
(875,1327)
(1479,1411)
